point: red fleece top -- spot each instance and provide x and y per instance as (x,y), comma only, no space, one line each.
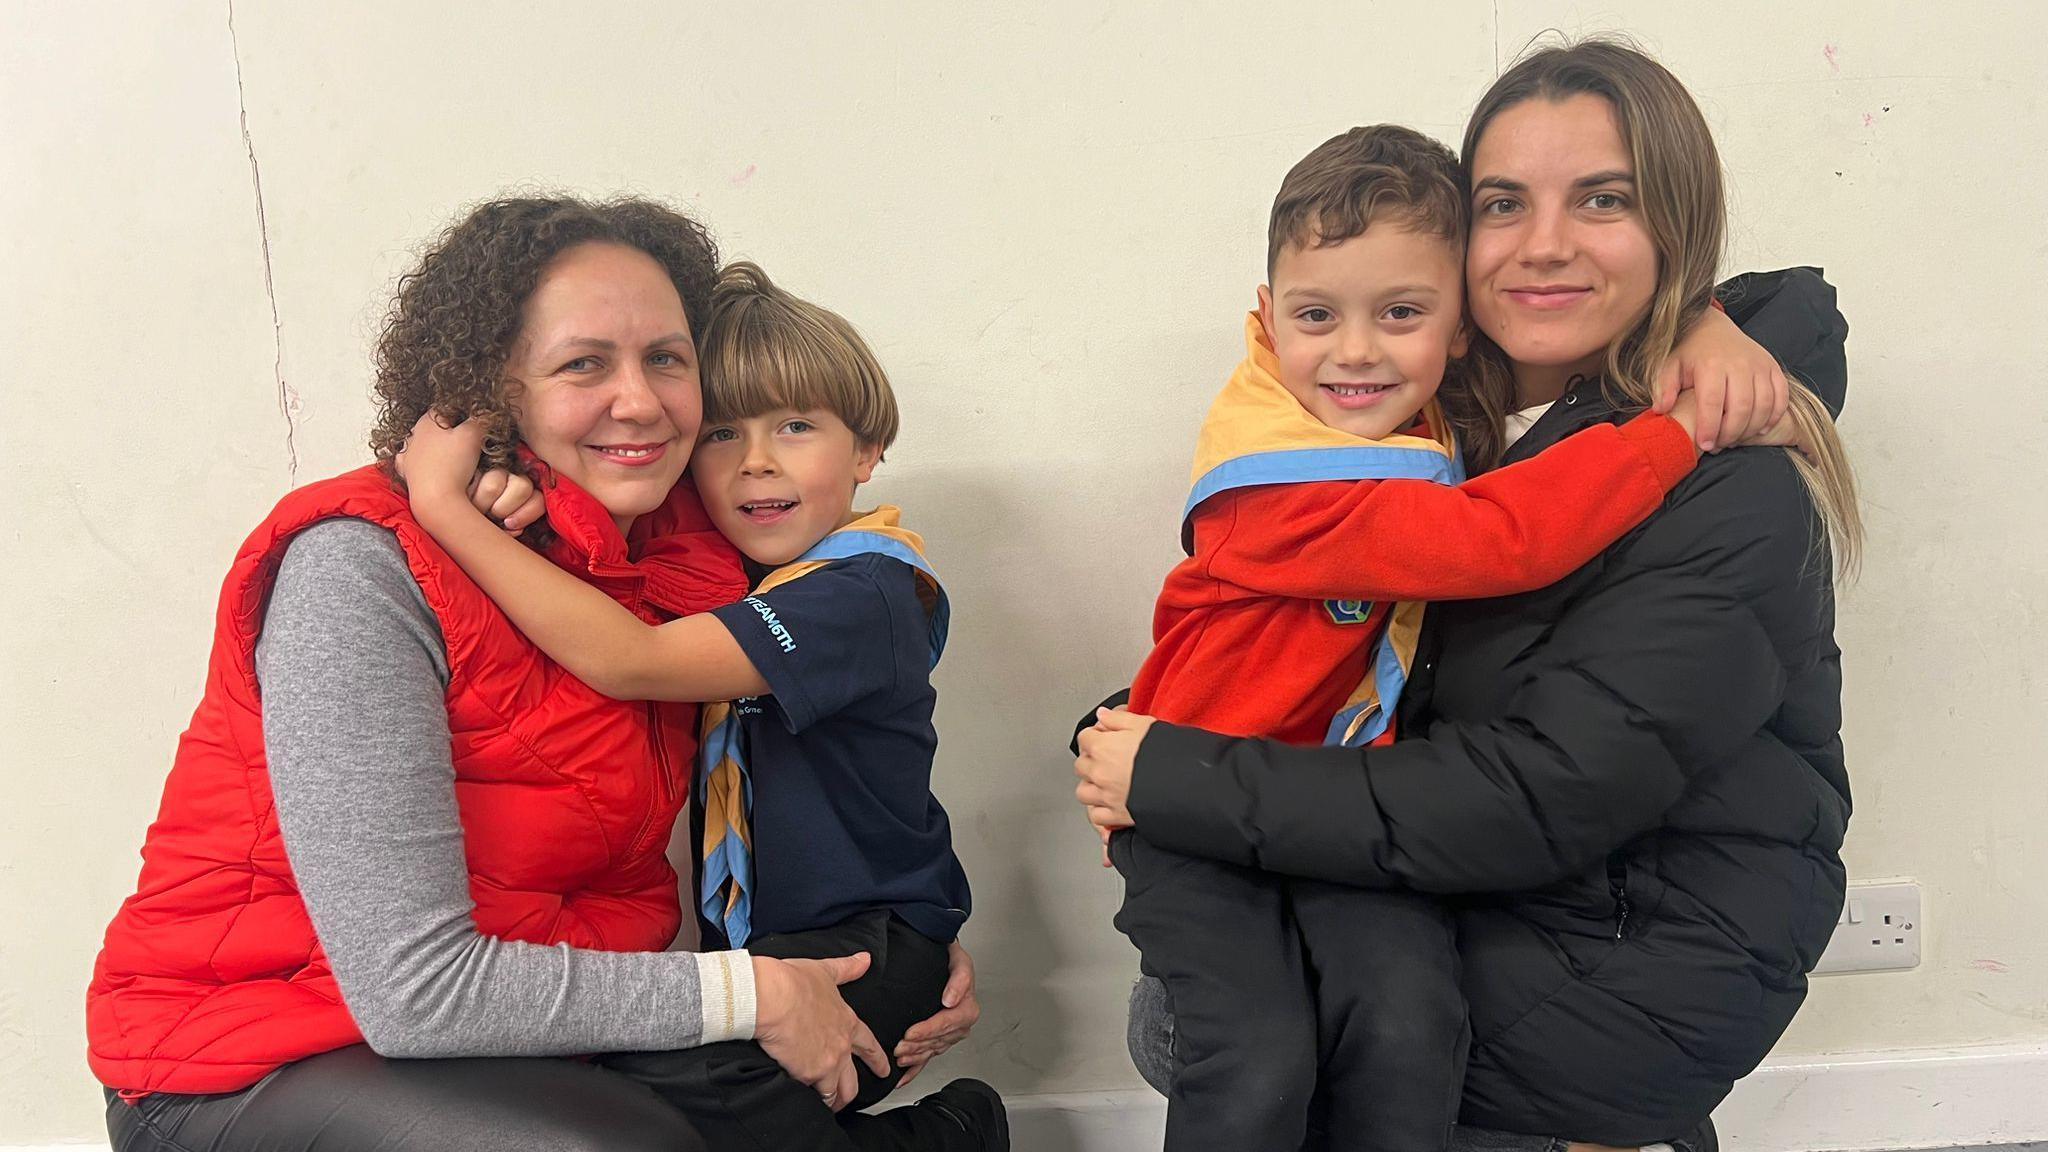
(1244,644)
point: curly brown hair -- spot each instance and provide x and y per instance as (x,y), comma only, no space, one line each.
(455,316)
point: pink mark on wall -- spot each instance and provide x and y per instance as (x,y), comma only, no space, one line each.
(745,175)
(1869,119)
(1998,966)
(1829,51)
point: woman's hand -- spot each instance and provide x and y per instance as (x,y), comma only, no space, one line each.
(801,1021)
(949,1025)
(1739,387)
(1109,751)
(1785,433)
(437,461)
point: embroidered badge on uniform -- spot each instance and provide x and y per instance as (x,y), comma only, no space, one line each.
(1348,611)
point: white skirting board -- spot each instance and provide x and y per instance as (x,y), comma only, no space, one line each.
(1854,1103)
(1900,1099)
(1880,1100)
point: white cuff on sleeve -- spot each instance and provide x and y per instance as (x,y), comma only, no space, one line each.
(726,984)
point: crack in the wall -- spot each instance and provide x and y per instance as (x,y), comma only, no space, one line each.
(287,396)
(1496,37)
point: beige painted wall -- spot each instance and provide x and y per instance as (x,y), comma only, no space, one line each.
(1046,218)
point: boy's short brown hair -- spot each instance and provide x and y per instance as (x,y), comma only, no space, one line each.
(766,348)
(1369,173)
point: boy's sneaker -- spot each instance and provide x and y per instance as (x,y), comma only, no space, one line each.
(977,1109)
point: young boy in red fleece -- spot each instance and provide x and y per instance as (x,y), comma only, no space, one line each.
(1327,506)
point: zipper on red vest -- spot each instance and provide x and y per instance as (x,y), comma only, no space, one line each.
(664,772)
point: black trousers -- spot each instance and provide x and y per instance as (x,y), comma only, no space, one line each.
(1301,1009)
(716,1097)
(740,1099)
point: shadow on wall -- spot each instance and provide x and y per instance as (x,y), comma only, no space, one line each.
(1027,656)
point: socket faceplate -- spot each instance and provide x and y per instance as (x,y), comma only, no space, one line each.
(1879,930)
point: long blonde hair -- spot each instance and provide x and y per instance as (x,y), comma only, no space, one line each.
(1678,186)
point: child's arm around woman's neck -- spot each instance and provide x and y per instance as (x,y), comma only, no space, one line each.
(585,631)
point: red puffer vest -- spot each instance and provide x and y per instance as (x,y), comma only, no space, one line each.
(211,976)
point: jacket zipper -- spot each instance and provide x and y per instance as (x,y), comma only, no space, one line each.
(663,772)
(667,773)
(1617,887)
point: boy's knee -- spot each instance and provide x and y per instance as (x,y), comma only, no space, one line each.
(1425,1017)
(1287,1077)
(1255,1095)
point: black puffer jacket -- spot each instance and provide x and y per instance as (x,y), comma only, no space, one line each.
(1630,784)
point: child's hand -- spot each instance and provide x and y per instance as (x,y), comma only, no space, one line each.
(437,462)
(956,1017)
(1686,410)
(1742,391)
(508,498)
(1783,434)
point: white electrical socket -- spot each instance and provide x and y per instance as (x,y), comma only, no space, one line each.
(1879,930)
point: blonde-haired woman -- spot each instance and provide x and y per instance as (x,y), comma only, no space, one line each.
(1630,785)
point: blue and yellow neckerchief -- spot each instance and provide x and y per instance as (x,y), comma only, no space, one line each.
(725,893)
(1257,433)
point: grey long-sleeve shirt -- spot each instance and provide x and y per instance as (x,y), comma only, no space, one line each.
(354,673)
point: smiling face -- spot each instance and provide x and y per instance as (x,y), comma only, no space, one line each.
(1363,328)
(606,377)
(1561,264)
(778,482)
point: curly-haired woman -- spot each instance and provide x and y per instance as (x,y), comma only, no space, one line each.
(404,865)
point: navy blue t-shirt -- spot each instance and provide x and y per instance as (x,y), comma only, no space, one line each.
(840,753)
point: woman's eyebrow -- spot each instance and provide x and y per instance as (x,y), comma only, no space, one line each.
(1611,176)
(594,343)
(599,344)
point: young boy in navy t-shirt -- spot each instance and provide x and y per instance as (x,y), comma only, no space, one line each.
(818,830)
